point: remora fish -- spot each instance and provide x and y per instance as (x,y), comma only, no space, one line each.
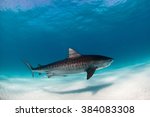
(75,63)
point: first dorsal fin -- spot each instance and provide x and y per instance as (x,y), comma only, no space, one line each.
(73,53)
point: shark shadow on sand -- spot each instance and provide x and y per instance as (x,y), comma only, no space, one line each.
(92,89)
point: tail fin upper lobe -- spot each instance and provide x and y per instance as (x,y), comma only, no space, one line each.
(30,67)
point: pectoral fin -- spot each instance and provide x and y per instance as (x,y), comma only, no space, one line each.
(90,72)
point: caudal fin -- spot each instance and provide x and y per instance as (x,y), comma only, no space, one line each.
(30,67)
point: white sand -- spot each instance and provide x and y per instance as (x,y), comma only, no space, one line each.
(127,83)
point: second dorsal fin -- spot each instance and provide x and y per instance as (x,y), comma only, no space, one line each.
(39,65)
(73,53)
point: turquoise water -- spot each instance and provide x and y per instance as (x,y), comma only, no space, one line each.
(41,31)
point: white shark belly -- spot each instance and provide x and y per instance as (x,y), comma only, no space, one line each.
(66,70)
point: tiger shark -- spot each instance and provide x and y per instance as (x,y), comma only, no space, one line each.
(75,63)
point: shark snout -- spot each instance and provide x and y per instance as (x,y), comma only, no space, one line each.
(110,60)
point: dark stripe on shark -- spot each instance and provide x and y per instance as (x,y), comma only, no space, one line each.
(74,64)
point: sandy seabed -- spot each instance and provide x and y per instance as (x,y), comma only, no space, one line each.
(126,83)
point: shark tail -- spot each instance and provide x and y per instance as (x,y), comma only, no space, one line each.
(30,67)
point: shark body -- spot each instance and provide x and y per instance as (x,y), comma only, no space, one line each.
(75,63)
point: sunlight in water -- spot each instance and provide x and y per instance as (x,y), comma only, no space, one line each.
(29,4)
(22,4)
(110,3)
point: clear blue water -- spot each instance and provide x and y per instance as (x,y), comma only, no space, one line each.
(42,31)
